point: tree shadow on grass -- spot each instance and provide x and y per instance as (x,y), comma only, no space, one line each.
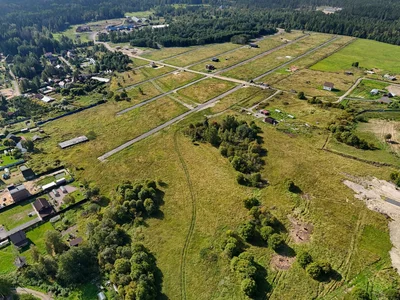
(263,286)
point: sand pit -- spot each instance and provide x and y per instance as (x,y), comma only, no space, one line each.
(300,232)
(279,262)
(383,197)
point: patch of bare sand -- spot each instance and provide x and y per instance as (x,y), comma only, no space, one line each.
(375,193)
(279,262)
(300,232)
(394,89)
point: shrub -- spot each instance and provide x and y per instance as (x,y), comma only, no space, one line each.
(246,231)
(248,286)
(250,202)
(359,294)
(304,259)
(275,241)
(314,270)
(266,232)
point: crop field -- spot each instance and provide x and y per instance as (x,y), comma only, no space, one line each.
(307,61)
(176,79)
(111,130)
(262,65)
(201,53)
(128,78)
(243,53)
(205,90)
(18,215)
(363,90)
(380,56)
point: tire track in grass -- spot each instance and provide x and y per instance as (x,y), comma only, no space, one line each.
(192,221)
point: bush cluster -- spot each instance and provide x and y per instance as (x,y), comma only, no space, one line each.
(344,133)
(237,141)
(245,269)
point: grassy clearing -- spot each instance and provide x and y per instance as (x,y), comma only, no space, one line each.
(241,54)
(177,79)
(88,291)
(36,236)
(73,35)
(18,215)
(200,54)
(140,14)
(136,62)
(311,83)
(8,255)
(262,65)
(363,90)
(307,61)
(111,130)
(241,97)
(125,79)
(209,276)
(379,55)
(164,53)
(206,90)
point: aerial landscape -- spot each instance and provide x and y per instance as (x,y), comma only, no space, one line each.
(199,149)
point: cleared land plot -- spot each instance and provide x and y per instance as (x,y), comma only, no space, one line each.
(18,215)
(306,61)
(138,62)
(370,54)
(167,52)
(363,90)
(262,65)
(177,79)
(200,54)
(360,105)
(73,35)
(311,83)
(241,97)
(206,90)
(111,130)
(125,79)
(230,59)
(379,128)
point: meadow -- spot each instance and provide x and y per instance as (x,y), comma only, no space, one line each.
(259,66)
(380,56)
(18,215)
(363,90)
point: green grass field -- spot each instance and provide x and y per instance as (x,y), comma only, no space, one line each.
(165,53)
(263,64)
(177,79)
(201,53)
(205,90)
(370,54)
(17,215)
(363,90)
(8,255)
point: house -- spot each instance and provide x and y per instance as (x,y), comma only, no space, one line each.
(20,262)
(13,137)
(271,121)
(75,242)
(43,207)
(215,59)
(19,192)
(374,92)
(210,67)
(328,86)
(19,239)
(385,100)
(389,77)
(253,45)
(153,64)
(264,112)
(27,172)
(47,99)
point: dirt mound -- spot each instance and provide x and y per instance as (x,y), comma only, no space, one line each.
(300,231)
(383,197)
(279,262)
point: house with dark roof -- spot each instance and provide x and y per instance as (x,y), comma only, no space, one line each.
(271,121)
(75,242)
(18,193)
(27,172)
(328,86)
(13,137)
(43,207)
(19,239)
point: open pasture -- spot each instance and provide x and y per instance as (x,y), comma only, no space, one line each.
(176,79)
(266,63)
(369,54)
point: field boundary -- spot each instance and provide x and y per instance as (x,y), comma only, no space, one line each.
(192,221)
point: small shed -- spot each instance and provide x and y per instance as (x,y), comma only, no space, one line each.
(215,59)
(101,296)
(75,242)
(271,121)
(253,45)
(328,86)
(20,262)
(374,92)
(264,112)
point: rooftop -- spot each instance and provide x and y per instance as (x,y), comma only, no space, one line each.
(73,141)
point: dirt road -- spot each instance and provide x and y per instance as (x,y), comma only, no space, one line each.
(37,294)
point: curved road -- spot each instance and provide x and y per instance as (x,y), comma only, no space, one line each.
(37,294)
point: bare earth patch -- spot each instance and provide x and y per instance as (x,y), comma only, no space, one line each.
(383,197)
(300,232)
(382,127)
(394,89)
(279,262)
